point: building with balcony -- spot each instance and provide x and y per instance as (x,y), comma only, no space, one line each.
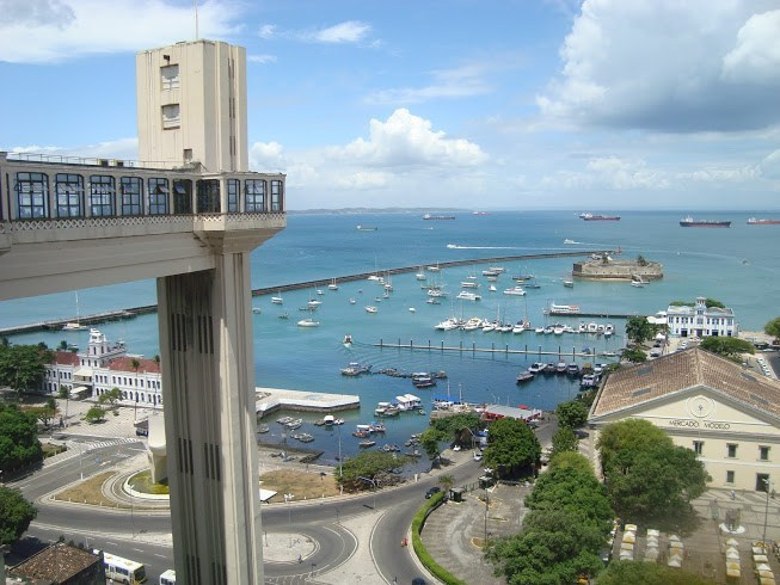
(188,214)
(729,416)
(701,320)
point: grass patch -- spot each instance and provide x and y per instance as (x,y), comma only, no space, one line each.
(305,486)
(142,482)
(50,450)
(89,491)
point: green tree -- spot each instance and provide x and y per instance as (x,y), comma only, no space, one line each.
(773,328)
(446,482)
(368,464)
(634,355)
(459,428)
(111,396)
(95,414)
(640,260)
(639,329)
(430,441)
(553,549)
(22,367)
(19,444)
(512,449)
(564,440)
(572,414)
(641,573)
(729,347)
(710,303)
(648,478)
(16,513)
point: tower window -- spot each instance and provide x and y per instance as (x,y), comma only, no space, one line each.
(171,116)
(169,76)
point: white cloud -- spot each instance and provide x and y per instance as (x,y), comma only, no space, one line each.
(770,166)
(756,58)
(406,140)
(699,65)
(464,81)
(66,29)
(345,32)
(262,59)
(348,32)
(120,149)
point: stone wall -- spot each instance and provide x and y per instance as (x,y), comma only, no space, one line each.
(617,270)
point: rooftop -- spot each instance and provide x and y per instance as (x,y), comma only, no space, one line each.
(55,564)
(683,370)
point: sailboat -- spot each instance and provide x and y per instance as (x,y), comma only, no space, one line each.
(333,285)
(277,300)
(75,325)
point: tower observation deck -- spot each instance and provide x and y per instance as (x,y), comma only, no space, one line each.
(190,219)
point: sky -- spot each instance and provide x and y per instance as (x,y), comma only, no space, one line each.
(477,104)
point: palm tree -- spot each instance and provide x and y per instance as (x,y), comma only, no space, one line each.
(135,364)
(446,481)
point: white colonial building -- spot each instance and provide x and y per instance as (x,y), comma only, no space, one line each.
(102,367)
(700,320)
(728,415)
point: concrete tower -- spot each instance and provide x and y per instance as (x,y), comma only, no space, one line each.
(192,106)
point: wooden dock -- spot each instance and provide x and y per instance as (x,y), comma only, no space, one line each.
(493,349)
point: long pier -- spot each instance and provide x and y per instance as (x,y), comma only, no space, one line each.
(114,315)
(493,349)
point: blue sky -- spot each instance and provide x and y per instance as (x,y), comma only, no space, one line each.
(482,104)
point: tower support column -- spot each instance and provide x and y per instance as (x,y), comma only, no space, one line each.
(207,364)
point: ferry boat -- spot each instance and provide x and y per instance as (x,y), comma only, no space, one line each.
(597,217)
(690,222)
(762,221)
(429,216)
(515,291)
(465,295)
(555,309)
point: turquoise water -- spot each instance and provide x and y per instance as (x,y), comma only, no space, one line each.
(738,266)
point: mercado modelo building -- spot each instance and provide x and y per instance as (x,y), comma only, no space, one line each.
(102,367)
(727,414)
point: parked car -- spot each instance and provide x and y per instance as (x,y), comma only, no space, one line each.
(432,491)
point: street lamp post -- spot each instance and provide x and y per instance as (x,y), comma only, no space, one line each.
(487,505)
(767,486)
(373,485)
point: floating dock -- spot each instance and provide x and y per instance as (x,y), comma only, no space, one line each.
(493,349)
(268,400)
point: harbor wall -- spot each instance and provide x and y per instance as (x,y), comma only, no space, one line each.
(617,270)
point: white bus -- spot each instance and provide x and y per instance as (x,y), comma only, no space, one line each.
(168,577)
(123,570)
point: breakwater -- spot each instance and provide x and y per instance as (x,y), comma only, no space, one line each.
(129,313)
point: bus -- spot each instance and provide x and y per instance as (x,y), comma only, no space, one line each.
(123,570)
(168,577)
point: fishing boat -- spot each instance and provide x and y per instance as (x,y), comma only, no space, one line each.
(308,323)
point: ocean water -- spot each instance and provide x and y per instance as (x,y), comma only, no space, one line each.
(738,266)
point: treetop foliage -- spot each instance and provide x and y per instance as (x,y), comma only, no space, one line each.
(19,444)
(16,513)
(512,449)
(773,328)
(368,464)
(729,347)
(571,414)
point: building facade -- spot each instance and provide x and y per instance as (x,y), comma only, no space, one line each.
(701,321)
(729,416)
(101,368)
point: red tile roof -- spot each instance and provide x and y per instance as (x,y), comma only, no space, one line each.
(64,358)
(125,364)
(681,370)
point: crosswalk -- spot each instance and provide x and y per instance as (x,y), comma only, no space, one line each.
(76,448)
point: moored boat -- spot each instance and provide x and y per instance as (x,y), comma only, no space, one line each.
(308,323)
(555,309)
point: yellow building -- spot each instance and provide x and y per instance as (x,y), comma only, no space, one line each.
(728,415)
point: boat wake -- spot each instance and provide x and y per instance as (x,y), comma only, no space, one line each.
(458,247)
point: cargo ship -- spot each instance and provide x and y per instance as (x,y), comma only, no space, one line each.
(690,222)
(755,221)
(428,216)
(597,217)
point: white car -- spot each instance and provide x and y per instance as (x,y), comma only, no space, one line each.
(477,456)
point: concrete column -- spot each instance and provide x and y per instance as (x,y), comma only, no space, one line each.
(208,390)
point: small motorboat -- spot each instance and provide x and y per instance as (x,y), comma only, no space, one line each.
(352,301)
(371,309)
(347,341)
(308,323)
(412,310)
(524,377)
